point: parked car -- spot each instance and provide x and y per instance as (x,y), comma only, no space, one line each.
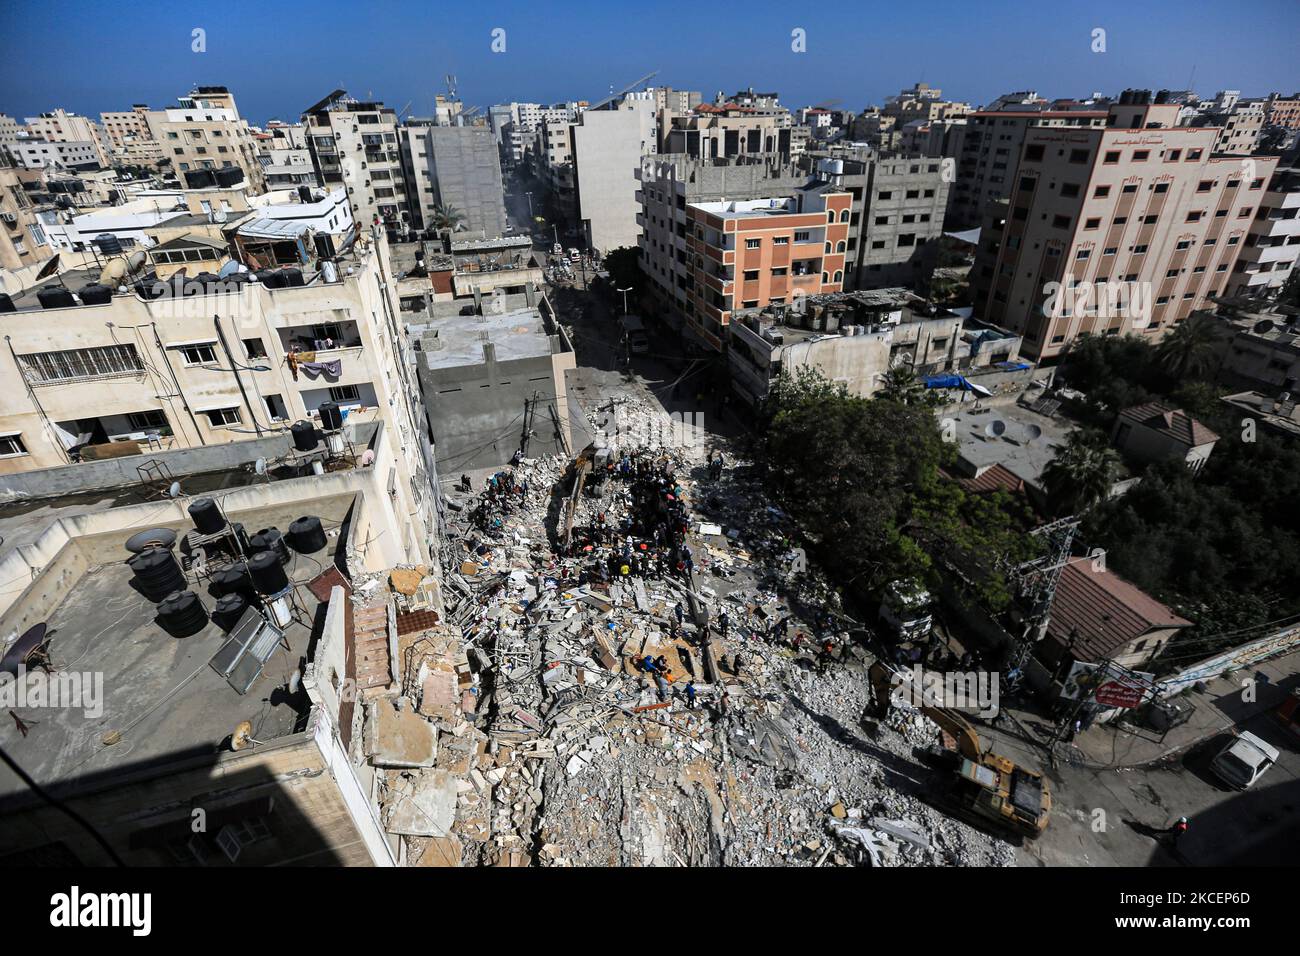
(1244,760)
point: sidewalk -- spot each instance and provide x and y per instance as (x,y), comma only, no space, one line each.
(1217,710)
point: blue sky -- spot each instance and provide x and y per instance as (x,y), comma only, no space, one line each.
(279,58)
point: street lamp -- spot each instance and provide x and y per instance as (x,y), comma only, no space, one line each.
(530,205)
(625,292)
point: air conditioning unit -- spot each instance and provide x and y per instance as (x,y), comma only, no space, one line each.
(8,217)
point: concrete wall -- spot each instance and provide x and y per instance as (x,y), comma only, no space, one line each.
(467,173)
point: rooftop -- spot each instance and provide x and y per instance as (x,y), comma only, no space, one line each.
(1022,441)
(458,340)
(1103,612)
(1175,423)
(747,208)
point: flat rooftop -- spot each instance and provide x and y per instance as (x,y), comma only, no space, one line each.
(747,208)
(157,690)
(1020,440)
(458,340)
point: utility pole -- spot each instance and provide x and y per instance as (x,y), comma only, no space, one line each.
(625,292)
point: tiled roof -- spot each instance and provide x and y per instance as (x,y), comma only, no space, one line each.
(1175,423)
(992,479)
(1104,610)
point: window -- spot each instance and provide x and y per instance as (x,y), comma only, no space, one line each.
(753,243)
(1083,254)
(1184,244)
(72,364)
(1195,215)
(882,220)
(1193,155)
(217,417)
(1060,222)
(1141,155)
(1069,190)
(1140,250)
(1129,188)
(150,419)
(885,195)
(751,275)
(878,244)
(1091,223)
(907,239)
(909,218)
(780,272)
(254,349)
(839,276)
(233,837)
(1161,187)
(929,194)
(781,241)
(1078,155)
(803,236)
(1173,155)
(1112,157)
(344,393)
(205,354)
(913,194)
(1110,250)
(1034,152)
(11,445)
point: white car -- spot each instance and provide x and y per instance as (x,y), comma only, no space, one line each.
(1244,760)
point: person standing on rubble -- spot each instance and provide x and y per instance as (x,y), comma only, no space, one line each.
(679,613)
(690,695)
(724,623)
(661,686)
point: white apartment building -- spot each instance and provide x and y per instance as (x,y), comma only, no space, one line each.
(213,367)
(285,157)
(35,153)
(205,131)
(60,126)
(608,147)
(1268,256)
(356,145)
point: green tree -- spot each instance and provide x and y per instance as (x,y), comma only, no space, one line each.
(624,267)
(901,385)
(1191,348)
(1082,473)
(448,219)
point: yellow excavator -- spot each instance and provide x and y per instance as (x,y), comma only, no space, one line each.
(986,789)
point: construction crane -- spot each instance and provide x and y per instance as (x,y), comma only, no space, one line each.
(627,89)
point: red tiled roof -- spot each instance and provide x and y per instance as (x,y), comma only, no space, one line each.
(1175,423)
(994,478)
(1104,610)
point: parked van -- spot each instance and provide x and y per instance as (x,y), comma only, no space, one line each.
(634,329)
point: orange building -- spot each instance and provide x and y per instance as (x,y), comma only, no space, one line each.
(753,253)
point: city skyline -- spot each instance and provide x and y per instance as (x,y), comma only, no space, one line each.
(969,59)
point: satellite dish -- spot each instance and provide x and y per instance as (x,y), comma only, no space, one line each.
(242,735)
(1033,432)
(259,466)
(175,490)
(996,428)
(1263,326)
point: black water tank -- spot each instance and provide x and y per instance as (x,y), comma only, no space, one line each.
(199,178)
(181,614)
(271,278)
(267,573)
(156,573)
(232,580)
(331,416)
(55,297)
(241,536)
(207,517)
(270,539)
(229,176)
(163,538)
(304,194)
(306,536)
(108,244)
(95,294)
(228,610)
(292,277)
(304,436)
(7,303)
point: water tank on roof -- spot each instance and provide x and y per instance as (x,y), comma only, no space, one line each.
(199,179)
(292,277)
(108,244)
(306,536)
(228,610)
(270,539)
(55,297)
(267,573)
(155,573)
(182,614)
(232,580)
(229,176)
(271,278)
(304,194)
(304,436)
(329,271)
(95,294)
(207,517)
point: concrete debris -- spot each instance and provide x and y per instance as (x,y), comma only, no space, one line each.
(616,680)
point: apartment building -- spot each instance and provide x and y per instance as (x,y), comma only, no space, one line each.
(608,145)
(285,156)
(1240,125)
(454,167)
(897,210)
(205,131)
(22,238)
(923,102)
(990,152)
(135,135)
(129,372)
(671,183)
(1283,111)
(10,130)
(1268,255)
(749,254)
(726,131)
(36,153)
(60,126)
(356,144)
(1141,209)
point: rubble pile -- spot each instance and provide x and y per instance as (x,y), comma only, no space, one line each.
(637,667)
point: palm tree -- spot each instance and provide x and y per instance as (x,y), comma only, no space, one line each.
(900,385)
(1191,348)
(448,219)
(1082,472)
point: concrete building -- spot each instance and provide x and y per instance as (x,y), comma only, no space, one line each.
(990,154)
(669,185)
(1283,111)
(855,338)
(1268,255)
(10,130)
(1239,121)
(1140,211)
(60,126)
(608,147)
(33,153)
(923,102)
(1154,432)
(897,211)
(748,254)
(22,236)
(454,167)
(167,731)
(205,131)
(285,156)
(495,381)
(225,362)
(1263,351)
(729,130)
(135,135)
(355,144)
